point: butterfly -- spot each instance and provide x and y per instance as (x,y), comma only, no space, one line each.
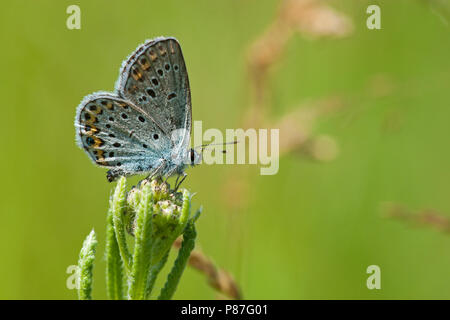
(145,125)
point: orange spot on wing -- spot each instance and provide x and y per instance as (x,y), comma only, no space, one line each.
(152,54)
(136,74)
(93,130)
(144,64)
(162,51)
(98,143)
(172,47)
(100,156)
(91,120)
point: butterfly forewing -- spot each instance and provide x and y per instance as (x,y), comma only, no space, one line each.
(155,78)
(118,135)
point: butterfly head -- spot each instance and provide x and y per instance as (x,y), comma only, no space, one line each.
(194,157)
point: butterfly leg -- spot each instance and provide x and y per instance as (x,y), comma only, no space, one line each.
(165,180)
(177,184)
(112,175)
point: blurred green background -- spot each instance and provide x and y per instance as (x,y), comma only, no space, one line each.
(308,232)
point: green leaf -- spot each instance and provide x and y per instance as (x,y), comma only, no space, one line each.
(171,229)
(85,266)
(143,246)
(118,207)
(114,264)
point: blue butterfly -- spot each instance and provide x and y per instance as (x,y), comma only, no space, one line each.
(145,125)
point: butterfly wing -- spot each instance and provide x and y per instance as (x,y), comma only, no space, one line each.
(155,78)
(119,135)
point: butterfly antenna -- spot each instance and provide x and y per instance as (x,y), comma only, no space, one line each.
(204,146)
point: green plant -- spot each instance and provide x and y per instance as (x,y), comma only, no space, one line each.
(141,228)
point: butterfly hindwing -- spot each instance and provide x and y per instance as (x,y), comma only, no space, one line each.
(118,135)
(155,78)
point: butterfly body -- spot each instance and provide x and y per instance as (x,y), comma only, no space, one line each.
(145,125)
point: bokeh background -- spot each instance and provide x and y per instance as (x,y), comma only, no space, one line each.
(364,115)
